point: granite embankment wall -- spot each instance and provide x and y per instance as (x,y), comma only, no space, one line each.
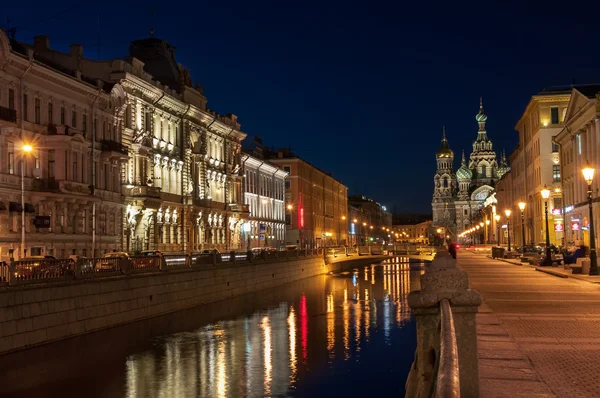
(41,314)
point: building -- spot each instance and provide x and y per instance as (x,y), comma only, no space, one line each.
(536,164)
(166,173)
(316,203)
(264,194)
(369,221)
(577,142)
(458,197)
(420,233)
(73,204)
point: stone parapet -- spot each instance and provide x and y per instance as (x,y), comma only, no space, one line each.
(443,280)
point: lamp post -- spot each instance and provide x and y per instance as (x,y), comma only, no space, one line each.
(497,218)
(546,194)
(26,149)
(477,233)
(507,212)
(522,208)
(487,231)
(588,175)
(481,241)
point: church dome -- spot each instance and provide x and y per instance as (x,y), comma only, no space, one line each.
(444,151)
(464,173)
(481,117)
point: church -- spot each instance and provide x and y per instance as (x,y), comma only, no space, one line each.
(459,196)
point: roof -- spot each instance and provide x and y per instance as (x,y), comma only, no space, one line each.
(588,90)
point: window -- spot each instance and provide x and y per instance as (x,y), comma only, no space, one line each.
(554,145)
(37,159)
(51,163)
(556,173)
(483,171)
(84,124)
(50,113)
(128,116)
(288,184)
(466,212)
(554,115)
(62,115)
(148,120)
(11,158)
(579,144)
(74,118)
(11,98)
(25,104)
(106,176)
(286,168)
(37,111)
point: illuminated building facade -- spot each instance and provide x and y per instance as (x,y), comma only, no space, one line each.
(70,120)
(577,143)
(373,221)
(459,196)
(264,194)
(421,233)
(318,203)
(166,170)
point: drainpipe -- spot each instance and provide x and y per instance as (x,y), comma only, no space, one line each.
(22,88)
(92,185)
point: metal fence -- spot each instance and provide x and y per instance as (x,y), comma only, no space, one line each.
(51,270)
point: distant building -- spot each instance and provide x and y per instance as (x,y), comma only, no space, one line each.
(420,233)
(458,197)
(368,219)
(264,193)
(316,203)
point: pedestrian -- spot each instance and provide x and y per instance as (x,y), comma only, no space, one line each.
(452,250)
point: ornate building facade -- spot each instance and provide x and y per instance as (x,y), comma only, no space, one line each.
(166,170)
(68,120)
(264,194)
(459,196)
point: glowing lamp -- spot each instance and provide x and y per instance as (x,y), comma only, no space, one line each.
(546,192)
(507,212)
(522,206)
(588,174)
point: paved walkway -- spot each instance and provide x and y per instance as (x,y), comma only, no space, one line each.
(538,334)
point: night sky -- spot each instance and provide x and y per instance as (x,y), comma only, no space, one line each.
(360,90)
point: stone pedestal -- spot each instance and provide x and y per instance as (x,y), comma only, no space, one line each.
(444,281)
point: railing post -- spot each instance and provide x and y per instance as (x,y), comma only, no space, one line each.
(443,280)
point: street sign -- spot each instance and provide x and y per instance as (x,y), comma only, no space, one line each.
(575,226)
(556,212)
(559,227)
(41,222)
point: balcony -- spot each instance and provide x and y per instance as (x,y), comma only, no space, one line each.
(238,207)
(146,191)
(7,114)
(114,149)
(46,184)
(209,203)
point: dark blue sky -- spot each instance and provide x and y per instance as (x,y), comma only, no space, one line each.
(361,90)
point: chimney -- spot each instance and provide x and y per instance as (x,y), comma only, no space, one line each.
(76,50)
(41,43)
(280,155)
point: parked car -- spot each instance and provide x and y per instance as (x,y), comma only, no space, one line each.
(113,261)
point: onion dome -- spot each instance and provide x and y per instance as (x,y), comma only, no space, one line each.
(504,168)
(444,151)
(481,117)
(464,173)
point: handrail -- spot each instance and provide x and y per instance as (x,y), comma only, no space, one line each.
(448,382)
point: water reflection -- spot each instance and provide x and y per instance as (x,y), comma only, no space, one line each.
(316,336)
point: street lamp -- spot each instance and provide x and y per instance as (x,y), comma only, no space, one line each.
(26,149)
(497,218)
(487,231)
(546,194)
(522,208)
(507,212)
(588,175)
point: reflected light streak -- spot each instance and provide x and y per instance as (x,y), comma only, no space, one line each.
(266,327)
(357,324)
(304,328)
(366,275)
(372,275)
(346,319)
(221,390)
(291,321)
(330,326)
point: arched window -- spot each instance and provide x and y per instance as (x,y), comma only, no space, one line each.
(445,183)
(483,171)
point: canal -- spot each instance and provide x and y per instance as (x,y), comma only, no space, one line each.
(348,334)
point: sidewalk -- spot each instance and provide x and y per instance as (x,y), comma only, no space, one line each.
(538,335)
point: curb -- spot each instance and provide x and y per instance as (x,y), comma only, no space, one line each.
(554,273)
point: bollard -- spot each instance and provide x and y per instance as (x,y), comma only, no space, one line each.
(213,258)
(249,255)
(232,256)
(443,280)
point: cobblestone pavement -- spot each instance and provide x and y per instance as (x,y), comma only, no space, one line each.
(538,334)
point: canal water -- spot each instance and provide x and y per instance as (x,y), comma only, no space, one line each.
(345,335)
